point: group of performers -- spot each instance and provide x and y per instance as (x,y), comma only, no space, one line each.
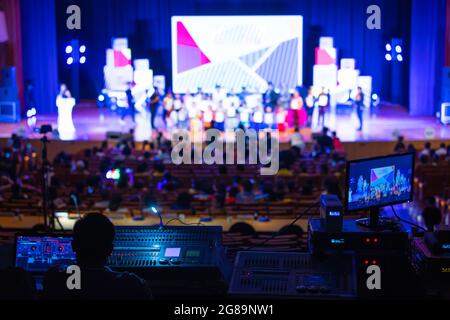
(227,110)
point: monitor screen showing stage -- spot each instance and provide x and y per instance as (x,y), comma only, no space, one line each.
(236,52)
(379,182)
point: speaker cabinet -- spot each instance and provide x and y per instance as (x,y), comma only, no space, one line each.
(9,111)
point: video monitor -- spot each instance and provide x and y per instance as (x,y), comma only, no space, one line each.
(379,182)
(40,252)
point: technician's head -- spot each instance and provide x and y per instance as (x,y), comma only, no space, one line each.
(93,238)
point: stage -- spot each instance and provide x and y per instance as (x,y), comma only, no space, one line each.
(92,124)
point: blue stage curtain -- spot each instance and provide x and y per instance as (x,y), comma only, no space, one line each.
(427,56)
(39,42)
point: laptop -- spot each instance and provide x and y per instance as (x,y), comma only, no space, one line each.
(36,253)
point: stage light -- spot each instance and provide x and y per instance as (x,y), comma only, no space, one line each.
(83,49)
(398,49)
(101,98)
(374,97)
(388,57)
(388,47)
(82,59)
(400,57)
(69,49)
(69,60)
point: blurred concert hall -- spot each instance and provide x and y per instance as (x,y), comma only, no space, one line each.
(225,151)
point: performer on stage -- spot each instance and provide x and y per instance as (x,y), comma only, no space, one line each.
(193,112)
(159,122)
(218,95)
(258,117)
(268,118)
(131,104)
(244,115)
(208,116)
(168,103)
(270,96)
(64,92)
(285,98)
(359,101)
(244,93)
(310,103)
(65,104)
(323,101)
(297,114)
(219,118)
(154,103)
(280,116)
(183,122)
(231,120)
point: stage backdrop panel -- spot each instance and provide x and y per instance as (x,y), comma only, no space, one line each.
(236,52)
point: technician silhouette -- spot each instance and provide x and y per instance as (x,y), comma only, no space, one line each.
(93,243)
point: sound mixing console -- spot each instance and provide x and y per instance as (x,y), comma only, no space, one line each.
(185,260)
(293,275)
(167,247)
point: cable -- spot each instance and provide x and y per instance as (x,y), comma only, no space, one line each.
(301,215)
(184,223)
(407,222)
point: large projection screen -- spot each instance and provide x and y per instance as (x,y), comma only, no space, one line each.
(236,52)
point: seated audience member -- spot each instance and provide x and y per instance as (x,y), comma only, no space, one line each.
(411,148)
(324,169)
(92,243)
(284,170)
(303,169)
(242,228)
(400,146)
(325,142)
(442,151)
(247,195)
(424,161)
(221,195)
(426,150)
(332,187)
(17,193)
(183,201)
(337,143)
(308,188)
(431,214)
(114,209)
(297,139)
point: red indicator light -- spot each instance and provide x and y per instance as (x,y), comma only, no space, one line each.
(367,240)
(374,262)
(375,240)
(366,262)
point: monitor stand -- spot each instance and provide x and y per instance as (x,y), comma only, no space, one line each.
(374,221)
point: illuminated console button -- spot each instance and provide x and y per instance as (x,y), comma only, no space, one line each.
(175,261)
(163,261)
(301,289)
